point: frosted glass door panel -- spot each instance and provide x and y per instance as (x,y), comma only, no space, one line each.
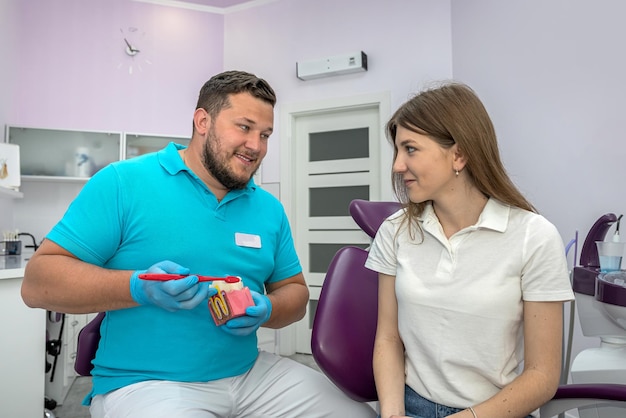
(339,145)
(334,201)
(320,255)
(324,243)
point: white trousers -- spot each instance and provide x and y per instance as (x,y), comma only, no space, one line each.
(274,387)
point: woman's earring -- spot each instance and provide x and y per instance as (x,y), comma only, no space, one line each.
(456,172)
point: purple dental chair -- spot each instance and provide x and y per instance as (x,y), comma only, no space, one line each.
(87,344)
(344,326)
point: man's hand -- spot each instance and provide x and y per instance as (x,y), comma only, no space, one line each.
(171,295)
(255,316)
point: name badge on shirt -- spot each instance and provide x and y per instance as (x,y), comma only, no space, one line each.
(247,240)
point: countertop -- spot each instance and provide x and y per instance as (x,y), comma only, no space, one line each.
(12,266)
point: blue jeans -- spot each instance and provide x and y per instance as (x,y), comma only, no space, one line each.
(419,407)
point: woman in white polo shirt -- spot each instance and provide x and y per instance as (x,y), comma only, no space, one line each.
(471,279)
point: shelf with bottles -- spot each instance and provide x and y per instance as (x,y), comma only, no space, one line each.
(52,155)
(59,154)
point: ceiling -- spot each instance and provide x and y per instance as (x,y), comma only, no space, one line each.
(215,6)
(219,3)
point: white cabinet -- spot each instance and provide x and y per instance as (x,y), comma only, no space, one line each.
(138,144)
(21,353)
(6,193)
(70,155)
(63,154)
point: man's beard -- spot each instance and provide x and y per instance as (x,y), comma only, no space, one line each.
(218,167)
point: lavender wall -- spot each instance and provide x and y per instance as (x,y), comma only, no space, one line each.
(7,71)
(407,43)
(552,75)
(7,81)
(73,71)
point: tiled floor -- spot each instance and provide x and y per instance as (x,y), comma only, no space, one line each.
(72,407)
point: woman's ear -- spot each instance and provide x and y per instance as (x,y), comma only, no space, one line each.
(458,158)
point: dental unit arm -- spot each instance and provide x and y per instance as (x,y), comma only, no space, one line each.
(584,276)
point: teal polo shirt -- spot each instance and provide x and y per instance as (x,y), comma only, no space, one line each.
(137,212)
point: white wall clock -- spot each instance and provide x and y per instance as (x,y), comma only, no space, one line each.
(133,43)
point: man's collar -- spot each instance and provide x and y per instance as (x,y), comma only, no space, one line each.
(170,160)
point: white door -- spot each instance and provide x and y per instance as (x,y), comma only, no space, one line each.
(334,158)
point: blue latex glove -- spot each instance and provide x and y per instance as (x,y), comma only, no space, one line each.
(255,316)
(171,295)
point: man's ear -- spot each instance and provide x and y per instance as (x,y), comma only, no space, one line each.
(201,121)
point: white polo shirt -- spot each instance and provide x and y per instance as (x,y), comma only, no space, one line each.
(460,299)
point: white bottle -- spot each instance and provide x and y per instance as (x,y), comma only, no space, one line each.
(83,164)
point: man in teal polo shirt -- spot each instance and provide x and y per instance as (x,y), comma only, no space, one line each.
(188,211)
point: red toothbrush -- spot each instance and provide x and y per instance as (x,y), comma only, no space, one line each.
(165,277)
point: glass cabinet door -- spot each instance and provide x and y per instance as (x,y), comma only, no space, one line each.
(139,144)
(63,154)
